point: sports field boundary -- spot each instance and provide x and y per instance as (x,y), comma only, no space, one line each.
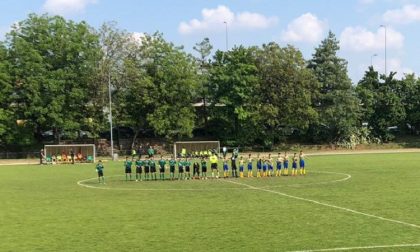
(361,247)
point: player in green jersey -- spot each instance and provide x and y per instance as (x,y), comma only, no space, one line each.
(162,164)
(100,171)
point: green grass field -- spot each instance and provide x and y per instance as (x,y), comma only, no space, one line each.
(44,209)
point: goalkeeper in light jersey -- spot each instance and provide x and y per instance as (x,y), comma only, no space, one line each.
(250,166)
(302,163)
(100,171)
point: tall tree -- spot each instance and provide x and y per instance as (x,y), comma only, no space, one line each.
(337,104)
(203,48)
(233,80)
(285,91)
(6,91)
(53,61)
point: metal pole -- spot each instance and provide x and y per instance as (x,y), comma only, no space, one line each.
(384,26)
(227,45)
(110,114)
(371,59)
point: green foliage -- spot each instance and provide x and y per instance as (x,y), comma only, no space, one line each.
(337,104)
(52,61)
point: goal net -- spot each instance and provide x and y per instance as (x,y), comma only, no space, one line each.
(61,153)
(196,148)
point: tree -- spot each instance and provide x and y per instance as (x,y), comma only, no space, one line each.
(234,81)
(171,85)
(53,61)
(203,48)
(337,104)
(6,118)
(285,92)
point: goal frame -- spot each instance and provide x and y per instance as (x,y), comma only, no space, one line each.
(193,142)
(76,148)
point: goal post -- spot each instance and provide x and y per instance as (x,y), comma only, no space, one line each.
(61,153)
(192,148)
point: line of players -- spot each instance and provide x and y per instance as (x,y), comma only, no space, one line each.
(148,168)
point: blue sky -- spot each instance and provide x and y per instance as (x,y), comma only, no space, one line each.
(301,23)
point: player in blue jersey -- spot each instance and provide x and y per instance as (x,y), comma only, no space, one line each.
(302,163)
(264,167)
(225,168)
(278,165)
(294,165)
(270,165)
(259,166)
(250,166)
(241,167)
(286,164)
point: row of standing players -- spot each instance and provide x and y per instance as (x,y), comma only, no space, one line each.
(265,167)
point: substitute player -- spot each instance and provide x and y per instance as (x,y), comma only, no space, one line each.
(100,171)
(127,166)
(302,163)
(250,166)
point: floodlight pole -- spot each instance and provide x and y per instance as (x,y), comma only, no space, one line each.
(371,59)
(384,26)
(227,44)
(110,114)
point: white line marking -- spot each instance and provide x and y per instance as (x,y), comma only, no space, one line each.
(358,248)
(81,183)
(327,205)
(348,176)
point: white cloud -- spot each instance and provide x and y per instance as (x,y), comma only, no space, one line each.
(407,14)
(393,65)
(306,28)
(212,20)
(359,39)
(63,7)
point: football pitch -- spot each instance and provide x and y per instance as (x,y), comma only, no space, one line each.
(361,202)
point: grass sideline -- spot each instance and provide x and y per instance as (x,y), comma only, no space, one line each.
(43,209)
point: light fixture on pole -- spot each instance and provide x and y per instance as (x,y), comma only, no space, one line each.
(226,26)
(371,59)
(384,26)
